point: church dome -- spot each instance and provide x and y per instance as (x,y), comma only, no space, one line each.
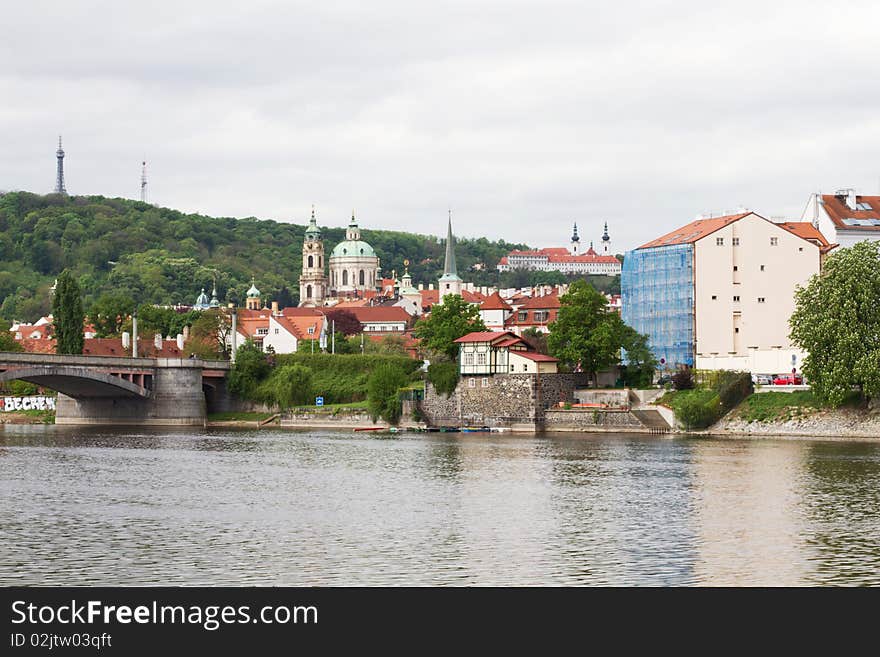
(353,248)
(202,301)
(253,292)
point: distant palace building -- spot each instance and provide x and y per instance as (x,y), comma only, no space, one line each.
(566,260)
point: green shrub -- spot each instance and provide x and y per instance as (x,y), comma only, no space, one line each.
(289,385)
(697,414)
(249,370)
(383,398)
(443,375)
(683,379)
(342,378)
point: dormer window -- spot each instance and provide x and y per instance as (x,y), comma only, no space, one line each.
(719,241)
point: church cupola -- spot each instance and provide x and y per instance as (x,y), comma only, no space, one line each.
(253,297)
(606,241)
(575,241)
(352,233)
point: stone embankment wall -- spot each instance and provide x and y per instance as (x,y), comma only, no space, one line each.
(578,419)
(503,400)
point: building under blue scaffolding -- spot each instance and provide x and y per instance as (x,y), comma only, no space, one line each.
(657,290)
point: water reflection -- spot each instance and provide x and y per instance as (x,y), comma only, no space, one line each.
(279,507)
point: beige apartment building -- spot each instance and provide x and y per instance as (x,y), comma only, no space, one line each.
(718,292)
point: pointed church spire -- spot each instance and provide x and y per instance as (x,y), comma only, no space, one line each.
(449,266)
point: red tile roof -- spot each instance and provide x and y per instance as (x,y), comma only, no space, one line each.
(495,302)
(44,346)
(838,211)
(299,326)
(146,348)
(380,314)
(472,297)
(807,231)
(535,356)
(547,302)
(429,298)
(694,231)
(485,336)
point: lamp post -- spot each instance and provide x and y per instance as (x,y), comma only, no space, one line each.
(134,333)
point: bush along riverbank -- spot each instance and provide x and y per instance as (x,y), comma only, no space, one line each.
(800,413)
(372,385)
(699,405)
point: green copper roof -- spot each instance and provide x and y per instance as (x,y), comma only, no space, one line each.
(450,271)
(253,292)
(313,232)
(353,248)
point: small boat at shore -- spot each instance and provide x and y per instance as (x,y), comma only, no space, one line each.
(475,429)
(371,428)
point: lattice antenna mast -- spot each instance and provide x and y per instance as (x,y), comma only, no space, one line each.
(59,173)
(144,181)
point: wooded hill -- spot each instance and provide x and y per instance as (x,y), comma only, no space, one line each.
(161,256)
(158,255)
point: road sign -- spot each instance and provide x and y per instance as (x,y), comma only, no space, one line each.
(319,401)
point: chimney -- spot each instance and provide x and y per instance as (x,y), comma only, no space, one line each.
(430,286)
(851,199)
(275,308)
(421,286)
(126,340)
(157,341)
(180,341)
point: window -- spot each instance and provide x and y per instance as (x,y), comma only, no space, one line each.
(525,367)
(262,331)
(736,330)
(800,248)
(311,330)
(541,315)
(472,383)
(762,267)
(719,241)
(361,278)
(481,359)
(522,315)
(345,278)
(735,268)
(736,299)
(276,331)
(311,261)
(469,359)
(774,241)
(714,297)
(735,241)
(485,382)
(761,299)
(511,368)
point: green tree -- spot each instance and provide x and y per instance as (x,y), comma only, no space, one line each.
(67,314)
(448,321)
(110,313)
(249,370)
(290,385)
(383,386)
(585,334)
(7,340)
(444,376)
(837,322)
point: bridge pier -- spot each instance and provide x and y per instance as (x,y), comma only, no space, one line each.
(176,399)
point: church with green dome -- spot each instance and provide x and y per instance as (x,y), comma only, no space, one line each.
(354,265)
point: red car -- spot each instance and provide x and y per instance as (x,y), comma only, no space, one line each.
(788,380)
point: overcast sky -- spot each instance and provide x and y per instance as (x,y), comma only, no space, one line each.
(521,116)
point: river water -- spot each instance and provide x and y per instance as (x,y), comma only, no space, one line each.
(212,507)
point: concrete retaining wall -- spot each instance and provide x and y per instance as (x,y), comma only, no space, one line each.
(578,419)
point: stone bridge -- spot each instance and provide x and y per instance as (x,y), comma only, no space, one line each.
(111,390)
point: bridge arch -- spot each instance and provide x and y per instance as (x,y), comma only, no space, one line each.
(76,382)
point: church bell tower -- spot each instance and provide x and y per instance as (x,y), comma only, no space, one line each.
(312,281)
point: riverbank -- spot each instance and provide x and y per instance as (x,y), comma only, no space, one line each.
(28,417)
(798,414)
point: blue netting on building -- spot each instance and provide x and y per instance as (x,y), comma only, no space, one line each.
(657,290)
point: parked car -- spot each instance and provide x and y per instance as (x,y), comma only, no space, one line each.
(762,379)
(788,380)
(664,379)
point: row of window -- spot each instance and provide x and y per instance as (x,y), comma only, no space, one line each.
(719,241)
(469,358)
(736,298)
(539,316)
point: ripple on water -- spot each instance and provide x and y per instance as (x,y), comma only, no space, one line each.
(330,508)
